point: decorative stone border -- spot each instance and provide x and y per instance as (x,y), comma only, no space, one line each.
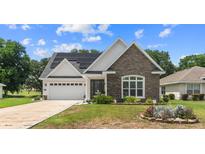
(171,120)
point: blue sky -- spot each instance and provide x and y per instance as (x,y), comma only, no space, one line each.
(42,40)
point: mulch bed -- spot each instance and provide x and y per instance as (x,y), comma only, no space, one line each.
(171,120)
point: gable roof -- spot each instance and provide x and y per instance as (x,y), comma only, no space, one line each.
(194,74)
(2,85)
(80,61)
(84,61)
(161,71)
(105,58)
(70,70)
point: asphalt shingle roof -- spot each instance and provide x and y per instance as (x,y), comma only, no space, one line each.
(80,61)
(193,74)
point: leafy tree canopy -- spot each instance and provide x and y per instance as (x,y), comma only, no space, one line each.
(163,59)
(14,65)
(192,60)
(37,67)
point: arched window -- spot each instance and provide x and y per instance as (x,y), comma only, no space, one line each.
(133,85)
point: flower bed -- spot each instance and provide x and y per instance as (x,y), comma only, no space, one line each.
(180,114)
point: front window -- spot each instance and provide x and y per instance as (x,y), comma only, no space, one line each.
(193,89)
(163,90)
(133,85)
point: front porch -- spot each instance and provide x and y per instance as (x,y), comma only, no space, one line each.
(95,83)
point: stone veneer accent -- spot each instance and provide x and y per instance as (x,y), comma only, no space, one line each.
(133,62)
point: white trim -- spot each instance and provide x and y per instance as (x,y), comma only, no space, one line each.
(109,72)
(158,72)
(64,60)
(163,84)
(140,49)
(202,78)
(119,39)
(2,85)
(143,82)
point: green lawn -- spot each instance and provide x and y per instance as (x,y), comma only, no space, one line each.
(17,99)
(116,116)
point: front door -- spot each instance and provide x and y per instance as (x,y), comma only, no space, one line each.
(97,86)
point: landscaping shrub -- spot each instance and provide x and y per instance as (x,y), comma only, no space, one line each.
(195,97)
(161,101)
(184,97)
(201,97)
(102,99)
(37,98)
(149,101)
(184,113)
(165,98)
(131,99)
(149,111)
(166,112)
(171,96)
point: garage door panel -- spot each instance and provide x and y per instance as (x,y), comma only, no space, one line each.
(67,91)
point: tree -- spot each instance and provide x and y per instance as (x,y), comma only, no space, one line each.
(163,59)
(37,67)
(14,65)
(192,60)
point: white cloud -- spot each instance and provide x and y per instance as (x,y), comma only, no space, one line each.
(154,46)
(165,33)
(103,28)
(85,29)
(183,56)
(66,47)
(41,42)
(91,39)
(26,41)
(55,41)
(25,27)
(139,33)
(43,53)
(75,28)
(12,26)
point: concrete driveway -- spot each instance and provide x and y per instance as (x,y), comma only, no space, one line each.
(25,116)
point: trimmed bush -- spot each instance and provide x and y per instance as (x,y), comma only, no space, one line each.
(184,97)
(37,98)
(165,98)
(201,97)
(171,96)
(161,101)
(149,100)
(195,97)
(184,112)
(131,99)
(102,99)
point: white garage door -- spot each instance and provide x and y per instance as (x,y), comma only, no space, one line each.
(66,91)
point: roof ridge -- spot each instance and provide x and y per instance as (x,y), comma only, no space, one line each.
(185,74)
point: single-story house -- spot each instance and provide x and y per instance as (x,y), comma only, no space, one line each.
(189,81)
(1,89)
(122,70)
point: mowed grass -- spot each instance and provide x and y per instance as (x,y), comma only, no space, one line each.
(116,116)
(18,99)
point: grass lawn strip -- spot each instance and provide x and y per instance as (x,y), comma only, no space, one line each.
(117,116)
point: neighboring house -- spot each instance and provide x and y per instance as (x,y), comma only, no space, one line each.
(1,89)
(122,70)
(189,81)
